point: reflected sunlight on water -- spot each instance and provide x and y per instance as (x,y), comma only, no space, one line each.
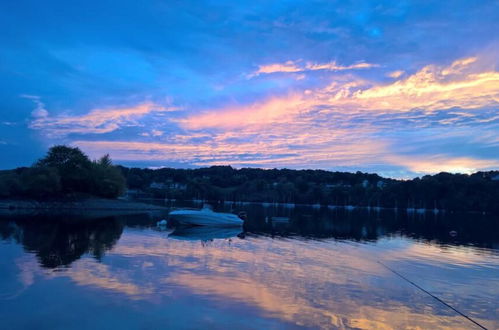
(136,270)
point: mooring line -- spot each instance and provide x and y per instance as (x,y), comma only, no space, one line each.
(432,295)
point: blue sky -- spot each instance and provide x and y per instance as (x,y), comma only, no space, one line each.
(402,88)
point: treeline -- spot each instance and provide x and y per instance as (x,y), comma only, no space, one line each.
(443,191)
(63,172)
(67,171)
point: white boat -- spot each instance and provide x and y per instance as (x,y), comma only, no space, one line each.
(205,217)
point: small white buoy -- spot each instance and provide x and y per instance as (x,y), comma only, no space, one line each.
(162,223)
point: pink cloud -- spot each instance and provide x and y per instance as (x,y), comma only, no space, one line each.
(337,125)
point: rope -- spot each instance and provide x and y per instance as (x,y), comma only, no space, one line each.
(430,294)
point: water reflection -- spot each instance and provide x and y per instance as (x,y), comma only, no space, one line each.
(204,233)
(319,269)
(364,225)
(60,240)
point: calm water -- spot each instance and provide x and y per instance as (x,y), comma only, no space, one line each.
(322,269)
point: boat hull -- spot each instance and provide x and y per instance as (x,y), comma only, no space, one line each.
(205,218)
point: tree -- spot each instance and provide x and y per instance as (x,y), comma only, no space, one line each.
(107,180)
(73,166)
(71,171)
(105,161)
(65,159)
(40,182)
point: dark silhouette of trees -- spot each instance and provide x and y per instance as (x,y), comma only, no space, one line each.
(460,192)
(68,171)
(40,181)
(107,180)
(72,165)
(64,171)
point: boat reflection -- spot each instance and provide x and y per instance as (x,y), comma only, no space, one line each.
(204,233)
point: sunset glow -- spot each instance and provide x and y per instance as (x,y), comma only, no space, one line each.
(400,88)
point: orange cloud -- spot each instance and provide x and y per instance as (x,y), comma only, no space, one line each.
(287,144)
(432,88)
(338,125)
(427,89)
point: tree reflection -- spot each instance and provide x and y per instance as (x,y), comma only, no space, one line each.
(59,241)
(369,225)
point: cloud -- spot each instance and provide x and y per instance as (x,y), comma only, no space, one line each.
(97,121)
(396,74)
(39,111)
(293,67)
(156,132)
(268,112)
(332,66)
(433,88)
(297,144)
(350,123)
(289,66)
(342,124)
(153,132)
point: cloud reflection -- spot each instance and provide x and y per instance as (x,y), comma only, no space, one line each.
(261,273)
(310,283)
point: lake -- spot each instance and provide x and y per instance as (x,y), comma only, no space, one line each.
(309,268)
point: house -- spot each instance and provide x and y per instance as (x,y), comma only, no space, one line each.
(134,193)
(168,185)
(157,185)
(177,186)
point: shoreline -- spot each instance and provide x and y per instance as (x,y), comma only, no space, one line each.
(69,206)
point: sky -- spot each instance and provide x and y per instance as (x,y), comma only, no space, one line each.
(400,88)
